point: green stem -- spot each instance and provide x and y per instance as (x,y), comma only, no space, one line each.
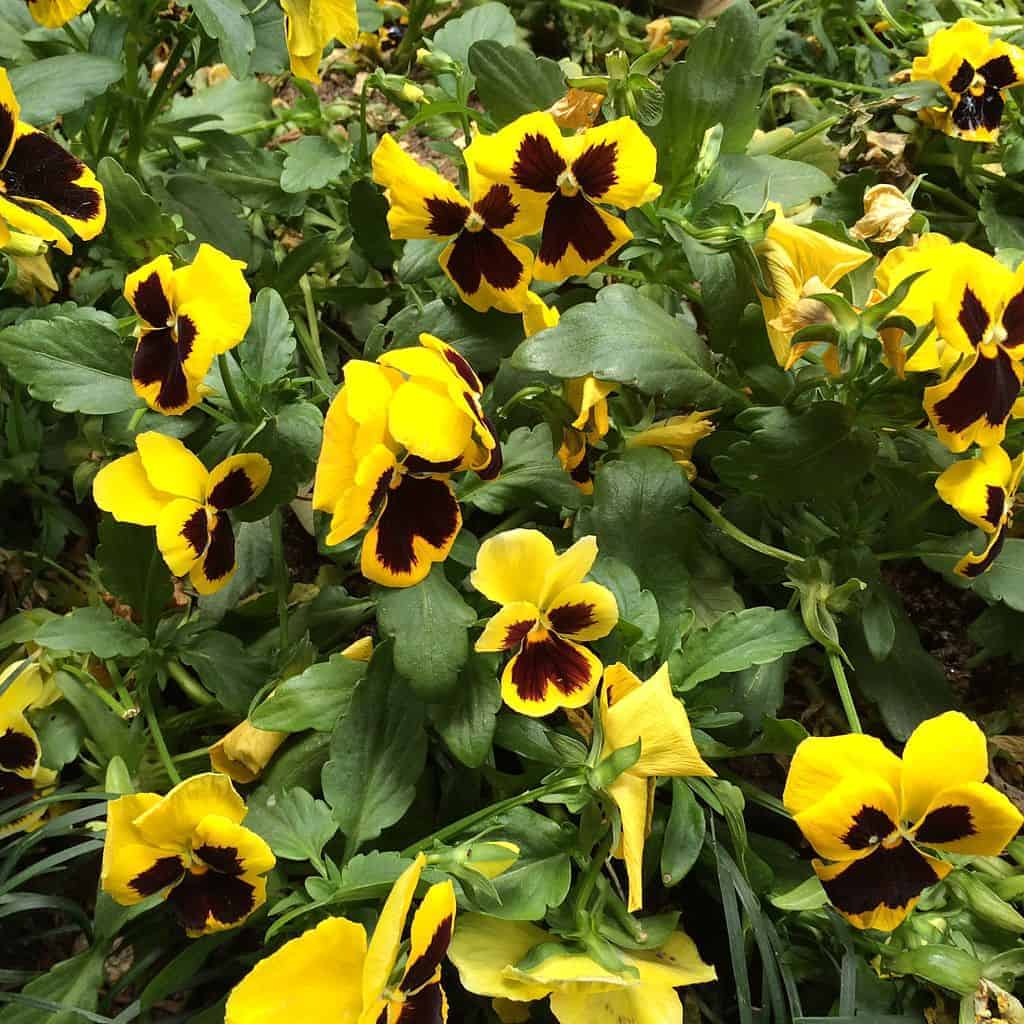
(190,686)
(166,77)
(281,577)
(869,34)
(623,272)
(146,700)
(589,881)
(950,197)
(94,687)
(808,133)
(843,686)
(76,39)
(229,388)
(716,517)
(835,83)
(510,522)
(310,338)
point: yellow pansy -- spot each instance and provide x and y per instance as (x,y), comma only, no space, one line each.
(163,484)
(186,318)
(55,13)
(799,263)
(650,712)
(560,182)
(330,975)
(678,435)
(974,71)
(37,174)
(866,810)
(191,847)
(983,490)
(310,25)
(486,952)
(547,610)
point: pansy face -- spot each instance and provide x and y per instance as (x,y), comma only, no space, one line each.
(164,485)
(982,490)
(560,182)
(488,269)
(191,847)
(546,611)
(867,811)
(310,25)
(974,72)
(982,316)
(186,318)
(36,173)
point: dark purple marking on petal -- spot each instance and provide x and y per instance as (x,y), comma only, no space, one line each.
(220,555)
(573,220)
(417,464)
(483,255)
(419,971)
(946,825)
(537,165)
(568,619)
(14,787)
(594,169)
(995,506)
(972,570)
(1013,321)
(164,872)
(497,207)
(549,662)
(870,826)
(998,72)
(196,531)
(17,751)
(446,217)
(963,77)
(232,490)
(41,170)
(418,507)
(226,898)
(224,859)
(973,112)
(151,302)
(973,317)
(986,392)
(516,633)
(425,1007)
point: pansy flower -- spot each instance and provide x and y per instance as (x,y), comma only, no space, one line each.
(393,436)
(37,174)
(55,13)
(650,712)
(191,847)
(981,316)
(974,72)
(678,435)
(186,318)
(982,490)
(869,812)
(310,25)
(547,610)
(163,484)
(560,183)
(330,975)
(488,954)
(487,268)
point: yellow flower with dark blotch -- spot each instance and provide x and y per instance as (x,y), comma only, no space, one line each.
(863,808)
(22,776)
(393,436)
(547,610)
(55,13)
(650,712)
(887,212)
(798,263)
(186,318)
(486,952)
(982,490)
(981,317)
(191,847)
(559,183)
(37,174)
(678,435)
(487,268)
(310,25)
(330,975)
(974,71)
(163,484)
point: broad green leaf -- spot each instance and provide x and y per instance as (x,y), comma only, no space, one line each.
(78,365)
(230,106)
(72,983)
(133,569)
(792,455)
(739,640)
(23,626)
(92,631)
(211,214)
(136,226)
(367,876)
(467,722)
(312,162)
(112,735)
(746,182)
(627,338)
(269,345)
(537,741)
(228,22)
(294,824)
(511,81)
(177,975)
(378,751)
(637,607)
(231,671)
(684,834)
(429,623)
(367,212)
(314,699)
(530,473)
(1004,230)
(778,736)
(60,731)
(57,85)
(419,260)
(1005,580)
(457,36)
(298,763)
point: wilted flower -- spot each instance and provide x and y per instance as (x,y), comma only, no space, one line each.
(887,212)
(974,71)
(578,108)
(310,25)
(559,183)
(546,610)
(191,847)
(163,484)
(862,807)
(329,975)
(678,435)
(982,490)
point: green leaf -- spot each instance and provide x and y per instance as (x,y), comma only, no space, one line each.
(136,226)
(228,22)
(637,607)
(1004,581)
(367,213)
(177,975)
(71,983)
(378,751)
(511,81)
(295,825)
(312,162)
(746,182)
(77,364)
(314,699)
(227,667)
(792,455)
(92,631)
(684,834)
(530,473)
(1004,230)
(739,640)
(429,623)
(457,36)
(269,345)
(298,763)
(57,85)
(113,736)
(23,626)
(467,722)
(719,83)
(538,741)
(132,568)
(230,105)
(627,338)
(211,214)
(60,731)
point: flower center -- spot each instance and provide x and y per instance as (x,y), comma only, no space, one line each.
(567,183)
(474,222)
(978,85)
(538,634)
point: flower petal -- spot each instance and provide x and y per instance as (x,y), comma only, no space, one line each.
(513,566)
(225,846)
(488,271)
(549,673)
(483,947)
(568,569)
(55,13)
(974,299)
(851,819)
(218,565)
(10,115)
(122,488)
(244,752)
(977,488)
(974,564)
(641,1004)
(29,223)
(972,818)
(432,927)
(171,467)
(213,902)
(677,962)
(577,236)
(133,867)
(182,534)
(171,822)
(363,498)
(425,421)
(584,611)
(19,747)
(236,480)
(632,795)
(615,163)
(319,969)
(507,629)
(213,294)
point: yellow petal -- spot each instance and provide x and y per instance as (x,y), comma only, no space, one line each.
(355,505)
(316,973)
(223,837)
(215,569)
(19,747)
(244,752)
(11,115)
(632,796)
(432,927)
(506,629)
(676,963)
(583,611)
(489,271)
(171,467)
(538,315)
(212,292)
(976,292)
(646,1004)
(29,223)
(150,291)
(26,689)
(549,673)
(483,947)
(424,420)
(978,488)
(173,820)
(55,13)
(569,568)
(134,868)
(851,819)
(359,650)
(122,488)
(182,534)
(513,566)
(622,146)
(971,818)
(599,233)
(237,480)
